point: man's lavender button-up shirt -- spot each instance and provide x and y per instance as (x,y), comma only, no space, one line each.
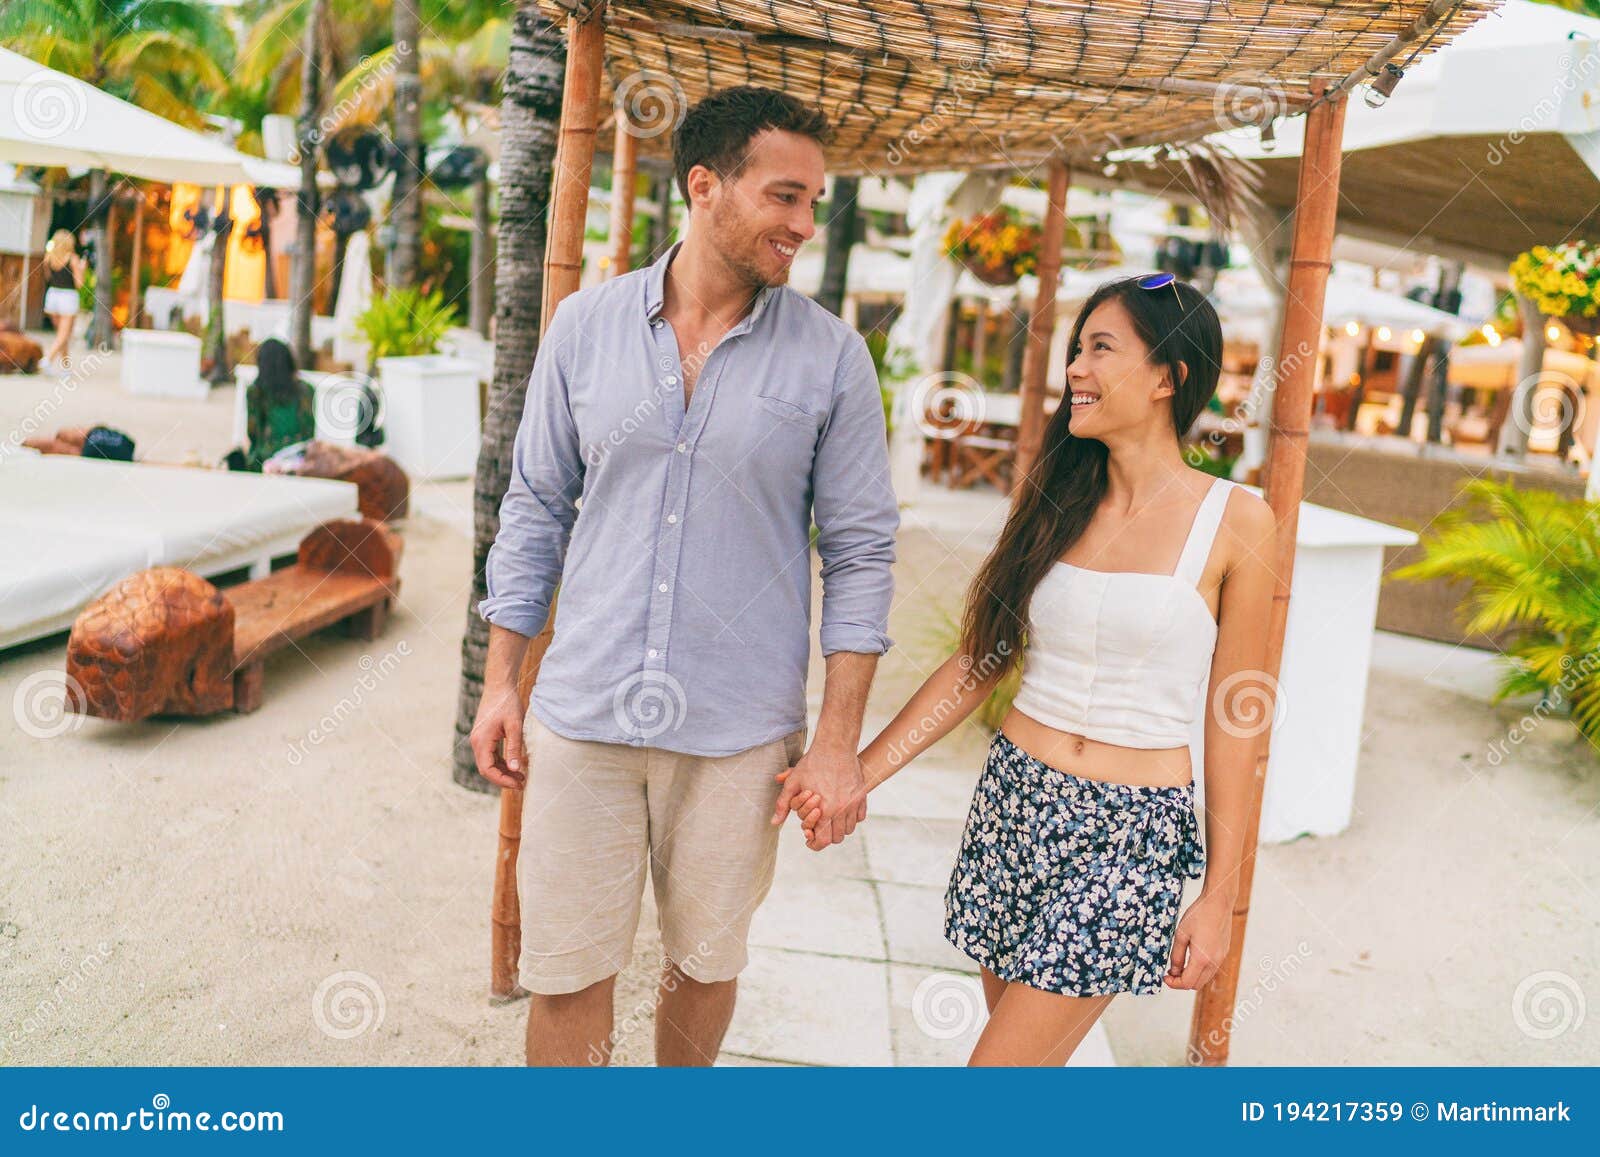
(681,540)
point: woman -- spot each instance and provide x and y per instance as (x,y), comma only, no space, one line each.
(280,409)
(1122,580)
(64,271)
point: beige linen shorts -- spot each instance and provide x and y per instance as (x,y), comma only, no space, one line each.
(595,814)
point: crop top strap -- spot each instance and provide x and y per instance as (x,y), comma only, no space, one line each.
(1197,548)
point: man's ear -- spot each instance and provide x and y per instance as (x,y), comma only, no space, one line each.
(702,182)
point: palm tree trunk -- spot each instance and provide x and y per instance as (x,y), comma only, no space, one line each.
(405,205)
(530,116)
(303,273)
(841,236)
(101,327)
(480,292)
(216,324)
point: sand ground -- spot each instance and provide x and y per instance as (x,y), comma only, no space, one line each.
(305,885)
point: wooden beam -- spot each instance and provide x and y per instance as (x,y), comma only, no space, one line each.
(563,263)
(624,173)
(1041,324)
(1310,259)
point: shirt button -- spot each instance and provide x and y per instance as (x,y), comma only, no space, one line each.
(662,588)
(655,323)
(682,446)
(651,653)
(672,518)
(672,380)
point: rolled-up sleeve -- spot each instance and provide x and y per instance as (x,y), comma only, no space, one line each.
(854,507)
(539,508)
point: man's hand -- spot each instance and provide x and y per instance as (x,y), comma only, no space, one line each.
(836,778)
(500,720)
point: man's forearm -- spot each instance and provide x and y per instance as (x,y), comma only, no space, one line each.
(844,700)
(503,663)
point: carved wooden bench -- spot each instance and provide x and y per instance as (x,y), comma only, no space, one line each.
(165,641)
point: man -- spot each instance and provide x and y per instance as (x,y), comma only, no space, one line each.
(685,425)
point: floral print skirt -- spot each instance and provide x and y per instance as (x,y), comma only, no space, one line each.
(1068,884)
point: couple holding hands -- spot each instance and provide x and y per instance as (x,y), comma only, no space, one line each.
(685,426)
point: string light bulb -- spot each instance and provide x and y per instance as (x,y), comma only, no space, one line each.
(1382,87)
(1269,135)
(1552,333)
(1417,335)
(1383,333)
(1352,328)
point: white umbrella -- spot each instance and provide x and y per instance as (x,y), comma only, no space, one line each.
(50,118)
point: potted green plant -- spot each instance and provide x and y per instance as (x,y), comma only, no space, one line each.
(430,401)
(1531,559)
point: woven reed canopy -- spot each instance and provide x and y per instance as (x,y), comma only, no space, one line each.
(922,84)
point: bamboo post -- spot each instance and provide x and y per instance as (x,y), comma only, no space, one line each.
(624,173)
(563,263)
(1041,324)
(138,257)
(1316,206)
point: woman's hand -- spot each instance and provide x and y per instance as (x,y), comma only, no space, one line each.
(1202,936)
(808,806)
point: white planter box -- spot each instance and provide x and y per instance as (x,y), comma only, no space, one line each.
(1322,682)
(430,415)
(163,363)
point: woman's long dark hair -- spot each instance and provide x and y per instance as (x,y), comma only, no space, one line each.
(1068,479)
(276,380)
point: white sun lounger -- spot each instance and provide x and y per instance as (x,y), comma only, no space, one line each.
(74,526)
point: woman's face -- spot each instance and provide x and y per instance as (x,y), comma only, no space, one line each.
(1112,382)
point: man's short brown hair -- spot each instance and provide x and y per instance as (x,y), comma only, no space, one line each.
(717,132)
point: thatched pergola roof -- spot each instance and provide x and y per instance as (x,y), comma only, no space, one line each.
(919,84)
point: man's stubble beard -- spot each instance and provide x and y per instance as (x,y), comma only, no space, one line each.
(734,241)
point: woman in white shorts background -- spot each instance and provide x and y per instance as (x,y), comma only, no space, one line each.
(64,270)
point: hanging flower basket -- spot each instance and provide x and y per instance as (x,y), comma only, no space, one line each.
(1563,281)
(998,247)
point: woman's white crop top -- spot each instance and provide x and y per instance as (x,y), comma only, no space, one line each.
(1123,657)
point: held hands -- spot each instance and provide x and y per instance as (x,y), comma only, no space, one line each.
(828,791)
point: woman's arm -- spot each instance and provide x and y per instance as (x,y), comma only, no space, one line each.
(945,698)
(1239,710)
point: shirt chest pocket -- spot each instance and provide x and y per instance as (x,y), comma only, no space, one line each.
(783,434)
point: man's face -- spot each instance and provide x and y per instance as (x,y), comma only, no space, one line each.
(758,218)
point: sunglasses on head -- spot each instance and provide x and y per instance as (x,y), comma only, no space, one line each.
(1160,281)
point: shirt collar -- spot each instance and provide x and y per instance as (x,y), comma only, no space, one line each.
(655,292)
